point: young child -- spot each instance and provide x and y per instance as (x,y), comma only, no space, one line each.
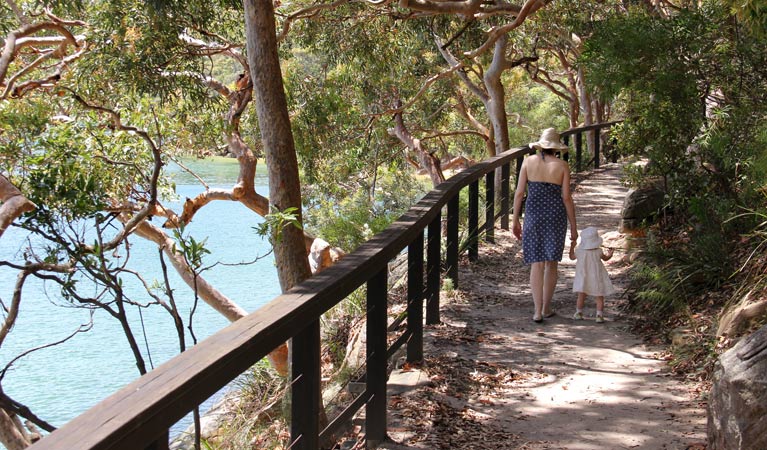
(591,277)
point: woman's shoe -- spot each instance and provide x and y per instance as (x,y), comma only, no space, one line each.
(537,319)
(578,316)
(551,314)
(600,319)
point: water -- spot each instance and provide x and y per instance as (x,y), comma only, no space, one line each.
(60,382)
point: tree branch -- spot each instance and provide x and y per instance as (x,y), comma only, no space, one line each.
(14,203)
(529,8)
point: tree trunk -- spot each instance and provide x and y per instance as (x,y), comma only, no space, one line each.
(588,114)
(277,138)
(496,106)
(10,435)
(426,160)
(279,147)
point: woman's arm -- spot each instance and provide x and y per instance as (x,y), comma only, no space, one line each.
(567,198)
(519,194)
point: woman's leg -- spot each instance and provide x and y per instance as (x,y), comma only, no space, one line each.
(549,284)
(536,286)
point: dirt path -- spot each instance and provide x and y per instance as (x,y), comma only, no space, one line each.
(493,379)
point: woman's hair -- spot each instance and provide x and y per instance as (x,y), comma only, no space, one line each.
(546,151)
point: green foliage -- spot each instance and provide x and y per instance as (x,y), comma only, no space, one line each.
(356,215)
(753,13)
(275,222)
(692,112)
(192,249)
(537,108)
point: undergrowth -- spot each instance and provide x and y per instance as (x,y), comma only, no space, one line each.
(687,277)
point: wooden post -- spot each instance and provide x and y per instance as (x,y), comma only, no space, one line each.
(505,199)
(305,398)
(433,248)
(578,151)
(375,410)
(473,221)
(490,207)
(566,155)
(452,239)
(415,299)
(162,443)
(597,143)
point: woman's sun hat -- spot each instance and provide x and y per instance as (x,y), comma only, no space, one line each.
(549,140)
(590,238)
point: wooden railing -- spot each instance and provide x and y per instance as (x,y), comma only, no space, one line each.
(578,134)
(139,415)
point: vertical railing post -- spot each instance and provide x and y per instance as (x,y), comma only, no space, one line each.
(566,154)
(433,248)
(490,207)
(474,220)
(578,151)
(452,239)
(375,410)
(162,443)
(597,143)
(505,199)
(305,398)
(415,299)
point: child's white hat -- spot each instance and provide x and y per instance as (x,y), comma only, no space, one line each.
(590,238)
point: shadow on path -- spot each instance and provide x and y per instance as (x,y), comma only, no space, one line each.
(493,379)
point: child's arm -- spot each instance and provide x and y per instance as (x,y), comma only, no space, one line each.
(608,255)
(572,249)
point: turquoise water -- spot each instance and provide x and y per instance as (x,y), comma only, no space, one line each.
(60,382)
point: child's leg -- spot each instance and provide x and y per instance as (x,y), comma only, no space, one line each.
(581,301)
(579,306)
(600,304)
(600,308)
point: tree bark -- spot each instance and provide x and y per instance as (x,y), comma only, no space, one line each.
(14,204)
(588,114)
(10,435)
(496,106)
(277,137)
(426,160)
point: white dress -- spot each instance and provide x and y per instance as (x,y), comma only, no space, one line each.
(591,277)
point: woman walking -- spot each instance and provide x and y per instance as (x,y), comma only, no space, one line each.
(548,208)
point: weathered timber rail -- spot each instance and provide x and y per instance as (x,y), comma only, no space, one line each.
(139,415)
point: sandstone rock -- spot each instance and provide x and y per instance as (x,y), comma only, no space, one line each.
(737,418)
(640,204)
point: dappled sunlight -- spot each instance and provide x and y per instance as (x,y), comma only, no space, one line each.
(561,384)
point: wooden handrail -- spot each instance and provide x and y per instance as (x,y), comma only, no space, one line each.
(139,415)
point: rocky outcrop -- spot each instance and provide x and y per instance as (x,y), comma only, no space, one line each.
(640,205)
(737,418)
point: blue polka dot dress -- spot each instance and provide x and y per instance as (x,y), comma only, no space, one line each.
(545,224)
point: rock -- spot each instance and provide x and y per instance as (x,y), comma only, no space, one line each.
(737,418)
(639,205)
(322,255)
